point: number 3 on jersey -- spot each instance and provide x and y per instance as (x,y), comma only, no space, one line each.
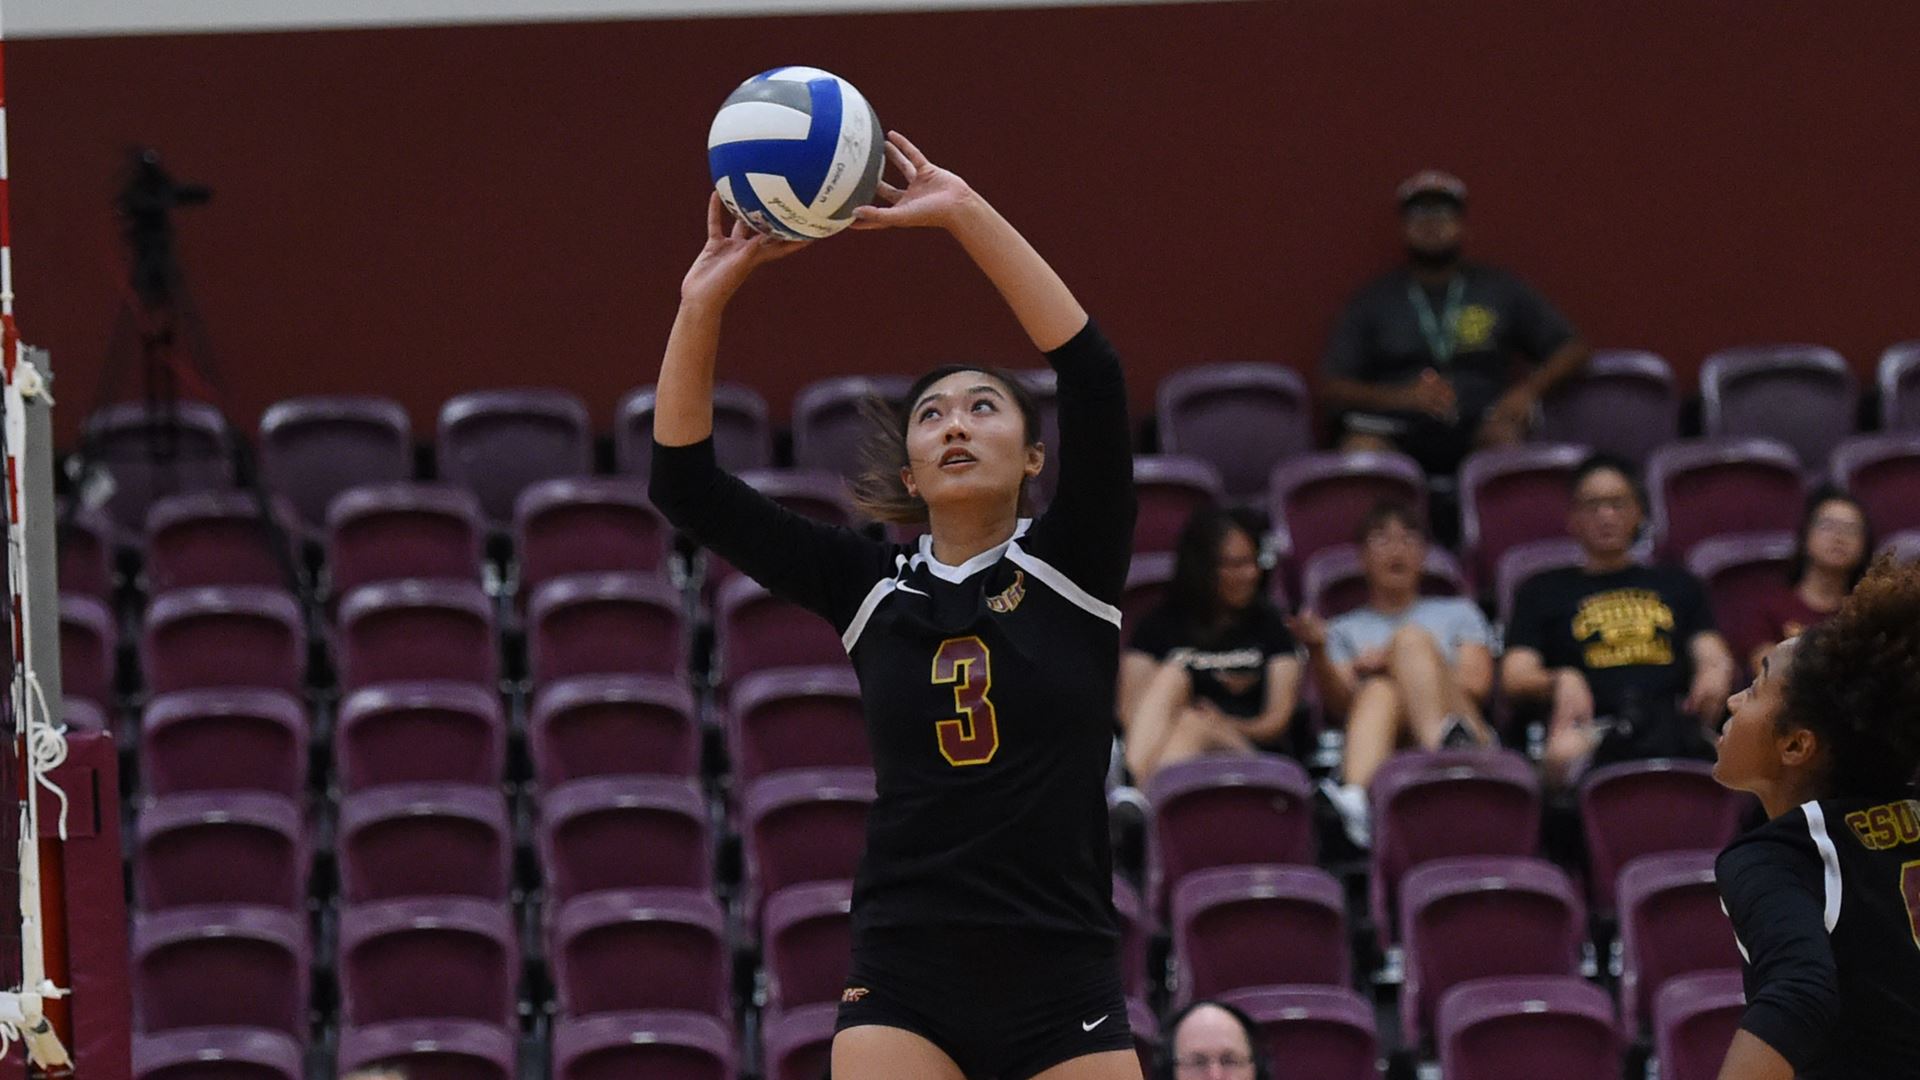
(1910,891)
(974,737)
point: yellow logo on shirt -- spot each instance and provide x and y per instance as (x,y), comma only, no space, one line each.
(1475,328)
(1622,627)
(1009,598)
(1888,825)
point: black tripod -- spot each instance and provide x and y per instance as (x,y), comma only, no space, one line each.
(158,331)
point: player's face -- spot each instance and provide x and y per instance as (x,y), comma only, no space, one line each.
(1391,558)
(967,444)
(1837,536)
(1606,513)
(1239,570)
(1749,745)
(1210,1043)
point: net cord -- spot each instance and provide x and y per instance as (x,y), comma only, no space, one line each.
(43,746)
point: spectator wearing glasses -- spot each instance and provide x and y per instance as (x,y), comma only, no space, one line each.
(1830,556)
(1626,656)
(1403,668)
(1210,1040)
(1421,359)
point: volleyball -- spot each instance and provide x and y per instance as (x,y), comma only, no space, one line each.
(794,150)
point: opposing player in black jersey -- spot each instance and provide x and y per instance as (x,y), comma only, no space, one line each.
(984,930)
(1825,897)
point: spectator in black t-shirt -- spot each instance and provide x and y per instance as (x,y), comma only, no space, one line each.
(1626,655)
(1421,359)
(1213,668)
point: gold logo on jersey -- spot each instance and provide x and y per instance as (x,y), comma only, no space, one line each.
(853,994)
(1009,599)
(1888,825)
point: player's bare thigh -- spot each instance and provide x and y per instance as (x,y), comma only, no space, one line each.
(878,1052)
(1107,1065)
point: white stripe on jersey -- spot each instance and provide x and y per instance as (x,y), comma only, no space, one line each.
(1829,859)
(1063,585)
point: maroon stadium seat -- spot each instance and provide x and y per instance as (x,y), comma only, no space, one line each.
(1312,1032)
(152,454)
(218,1053)
(497,443)
(1640,808)
(614,725)
(1694,1018)
(1318,500)
(1883,472)
(829,423)
(657,1045)
(1714,487)
(314,448)
(588,525)
(1226,810)
(807,938)
(796,718)
(1512,495)
(606,624)
(1671,924)
(220,967)
(217,538)
(234,848)
(224,637)
(401,532)
(1243,926)
(590,830)
(1617,383)
(420,733)
(1478,917)
(224,740)
(1169,490)
(628,950)
(433,1049)
(1529,1027)
(413,840)
(406,631)
(1241,418)
(428,958)
(1803,395)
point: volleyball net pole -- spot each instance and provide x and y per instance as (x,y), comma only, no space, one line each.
(27,1012)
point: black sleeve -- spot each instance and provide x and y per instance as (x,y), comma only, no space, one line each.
(1087,533)
(827,569)
(1539,327)
(1774,892)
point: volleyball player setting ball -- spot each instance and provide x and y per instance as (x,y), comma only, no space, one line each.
(1825,897)
(984,928)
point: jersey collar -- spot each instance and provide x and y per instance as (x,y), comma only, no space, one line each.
(954,575)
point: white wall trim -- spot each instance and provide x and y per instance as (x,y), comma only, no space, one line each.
(89,18)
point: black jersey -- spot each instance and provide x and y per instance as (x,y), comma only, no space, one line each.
(988,687)
(1824,900)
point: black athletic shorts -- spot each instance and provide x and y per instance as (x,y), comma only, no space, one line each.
(1004,1005)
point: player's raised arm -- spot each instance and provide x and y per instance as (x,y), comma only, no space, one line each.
(683,399)
(934,197)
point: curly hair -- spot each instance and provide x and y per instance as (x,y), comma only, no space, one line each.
(878,491)
(1855,683)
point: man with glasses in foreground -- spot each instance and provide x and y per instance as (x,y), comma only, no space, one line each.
(1626,656)
(1421,359)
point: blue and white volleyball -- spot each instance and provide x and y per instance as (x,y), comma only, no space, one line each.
(794,150)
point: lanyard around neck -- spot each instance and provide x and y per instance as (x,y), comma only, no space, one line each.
(1442,331)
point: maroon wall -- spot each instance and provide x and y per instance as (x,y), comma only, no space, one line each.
(419,211)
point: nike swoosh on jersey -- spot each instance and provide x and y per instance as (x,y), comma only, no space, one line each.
(1085,1026)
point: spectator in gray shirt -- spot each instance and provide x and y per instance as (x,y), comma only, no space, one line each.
(1404,668)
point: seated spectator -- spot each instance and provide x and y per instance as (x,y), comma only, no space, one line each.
(1210,1040)
(1403,668)
(1421,359)
(1626,656)
(1213,668)
(1830,555)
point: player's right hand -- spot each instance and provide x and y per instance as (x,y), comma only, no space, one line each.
(731,253)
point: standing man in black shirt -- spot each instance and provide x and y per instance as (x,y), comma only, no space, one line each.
(1422,358)
(1626,655)
(1825,897)
(987,653)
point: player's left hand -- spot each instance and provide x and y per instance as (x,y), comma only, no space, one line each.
(931,197)
(733,250)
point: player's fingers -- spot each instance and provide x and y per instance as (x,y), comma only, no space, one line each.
(887,192)
(913,153)
(742,230)
(874,217)
(901,164)
(716,216)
